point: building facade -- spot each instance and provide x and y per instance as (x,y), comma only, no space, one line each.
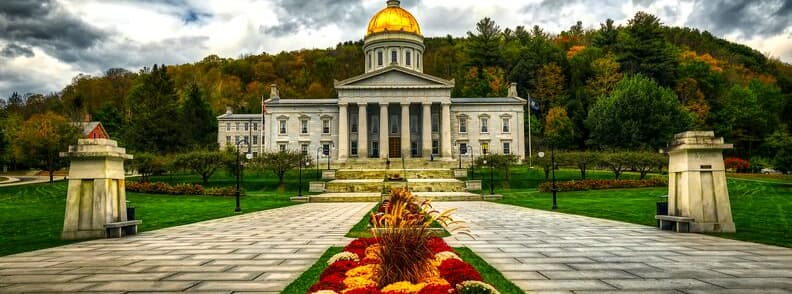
(392,110)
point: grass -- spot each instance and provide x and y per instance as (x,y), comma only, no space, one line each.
(760,209)
(489,273)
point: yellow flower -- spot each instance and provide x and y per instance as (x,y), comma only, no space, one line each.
(368,271)
(404,287)
(358,282)
(436,280)
(442,256)
(325,292)
(373,251)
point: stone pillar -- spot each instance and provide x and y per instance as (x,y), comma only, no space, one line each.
(697,182)
(426,130)
(405,129)
(343,132)
(96,194)
(362,131)
(445,134)
(383,130)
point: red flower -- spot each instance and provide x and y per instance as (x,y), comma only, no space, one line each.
(359,246)
(438,245)
(456,271)
(333,282)
(437,289)
(339,267)
(367,290)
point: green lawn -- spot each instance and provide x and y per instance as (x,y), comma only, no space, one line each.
(761,209)
(489,273)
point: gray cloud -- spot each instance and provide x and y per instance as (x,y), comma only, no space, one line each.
(311,14)
(745,17)
(14,50)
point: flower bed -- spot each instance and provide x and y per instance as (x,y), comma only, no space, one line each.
(584,185)
(357,268)
(178,189)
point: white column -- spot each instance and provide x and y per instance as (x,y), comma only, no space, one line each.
(426,130)
(405,129)
(445,135)
(343,132)
(362,131)
(383,130)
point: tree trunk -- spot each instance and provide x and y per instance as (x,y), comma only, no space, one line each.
(205,178)
(51,172)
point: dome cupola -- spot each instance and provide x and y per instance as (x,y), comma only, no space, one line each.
(393,38)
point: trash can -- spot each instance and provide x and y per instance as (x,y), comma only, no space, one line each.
(662,208)
(130,212)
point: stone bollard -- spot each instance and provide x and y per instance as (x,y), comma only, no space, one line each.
(96,194)
(697,182)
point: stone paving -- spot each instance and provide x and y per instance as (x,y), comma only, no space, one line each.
(560,253)
(256,252)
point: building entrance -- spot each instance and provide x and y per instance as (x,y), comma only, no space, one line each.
(394,147)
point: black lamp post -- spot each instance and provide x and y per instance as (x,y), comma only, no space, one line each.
(472,163)
(318,151)
(330,152)
(492,169)
(299,185)
(238,175)
(555,190)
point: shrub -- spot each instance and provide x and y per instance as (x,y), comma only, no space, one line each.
(616,162)
(178,189)
(581,159)
(601,184)
(736,164)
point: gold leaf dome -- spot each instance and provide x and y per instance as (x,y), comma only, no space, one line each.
(393,19)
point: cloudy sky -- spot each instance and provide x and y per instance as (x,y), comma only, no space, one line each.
(45,43)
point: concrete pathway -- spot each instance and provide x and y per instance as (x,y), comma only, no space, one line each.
(561,253)
(257,252)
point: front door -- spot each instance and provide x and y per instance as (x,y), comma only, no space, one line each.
(394,147)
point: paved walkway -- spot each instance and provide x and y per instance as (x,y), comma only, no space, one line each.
(560,253)
(262,251)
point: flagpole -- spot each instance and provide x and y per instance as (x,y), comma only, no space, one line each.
(530,151)
(261,130)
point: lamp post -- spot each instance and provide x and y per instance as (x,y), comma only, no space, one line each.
(299,185)
(318,151)
(459,153)
(472,163)
(239,174)
(330,152)
(492,169)
(552,163)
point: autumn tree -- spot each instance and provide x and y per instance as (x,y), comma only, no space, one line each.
(559,130)
(42,137)
(606,76)
(550,85)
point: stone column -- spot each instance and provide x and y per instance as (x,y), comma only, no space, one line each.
(697,182)
(426,130)
(96,195)
(383,130)
(362,131)
(343,132)
(445,134)
(405,129)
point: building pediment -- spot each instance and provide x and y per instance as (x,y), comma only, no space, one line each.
(394,77)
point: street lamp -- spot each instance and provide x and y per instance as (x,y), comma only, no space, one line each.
(330,152)
(239,173)
(299,189)
(318,151)
(553,164)
(492,169)
(472,162)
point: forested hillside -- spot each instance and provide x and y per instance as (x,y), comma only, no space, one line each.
(614,87)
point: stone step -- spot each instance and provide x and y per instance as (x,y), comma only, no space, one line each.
(376,197)
(377,186)
(396,163)
(426,173)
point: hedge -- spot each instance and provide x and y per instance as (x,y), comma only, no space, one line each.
(584,185)
(178,189)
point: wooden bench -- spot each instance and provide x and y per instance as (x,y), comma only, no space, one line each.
(120,229)
(679,224)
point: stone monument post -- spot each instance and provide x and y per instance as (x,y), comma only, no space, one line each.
(697,182)
(96,194)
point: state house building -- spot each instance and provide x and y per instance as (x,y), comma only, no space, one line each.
(391,110)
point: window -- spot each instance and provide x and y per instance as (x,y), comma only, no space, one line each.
(354,125)
(228,127)
(247,140)
(505,123)
(484,123)
(304,126)
(237,127)
(408,58)
(255,154)
(379,58)
(370,61)
(374,124)
(414,124)
(463,148)
(394,56)
(353,148)
(435,147)
(228,140)
(506,148)
(247,126)
(325,126)
(282,127)
(326,149)
(236,139)
(375,149)
(394,124)
(418,60)
(255,139)
(414,148)
(462,125)
(435,123)
(282,147)
(255,126)
(484,148)
(304,149)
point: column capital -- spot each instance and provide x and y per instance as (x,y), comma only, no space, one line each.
(383,105)
(344,104)
(445,103)
(405,103)
(426,103)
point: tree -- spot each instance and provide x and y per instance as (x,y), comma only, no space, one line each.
(607,36)
(559,130)
(606,76)
(780,145)
(617,162)
(112,119)
(550,85)
(197,114)
(484,45)
(643,49)
(203,163)
(582,159)
(638,113)
(154,125)
(279,162)
(41,138)
(499,161)
(645,161)
(148,164)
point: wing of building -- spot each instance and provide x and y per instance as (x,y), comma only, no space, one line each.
(391,110)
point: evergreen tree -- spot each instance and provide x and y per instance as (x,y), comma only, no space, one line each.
(607,36)
(154,124)
(111,118)
(643,49)
(484,46)
(197,113)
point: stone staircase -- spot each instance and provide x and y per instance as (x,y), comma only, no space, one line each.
(434,182)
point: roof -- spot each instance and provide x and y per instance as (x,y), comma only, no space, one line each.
(443,83)
(244,116)
(287,102)
(393,19)
(489,100)
(86,127)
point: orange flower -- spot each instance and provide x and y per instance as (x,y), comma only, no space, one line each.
(373,251)
(403,287)
(358,282)
(436,280)
(369,271)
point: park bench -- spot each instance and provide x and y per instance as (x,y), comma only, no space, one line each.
(679,224)
(123,228)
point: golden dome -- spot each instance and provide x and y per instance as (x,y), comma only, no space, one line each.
(393,19)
